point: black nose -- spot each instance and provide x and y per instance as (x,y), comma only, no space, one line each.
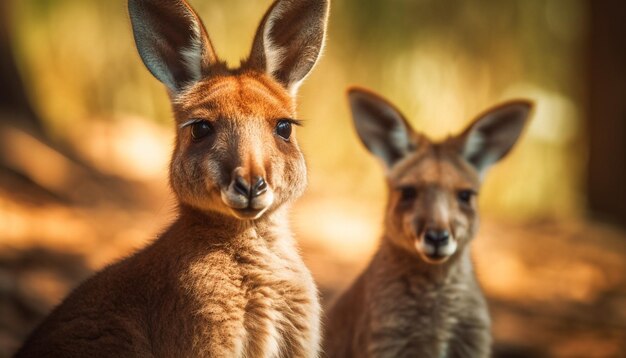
(242,187)
(259,187)
(437,237)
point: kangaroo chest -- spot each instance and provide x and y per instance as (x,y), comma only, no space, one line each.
(410,318)
(254,303)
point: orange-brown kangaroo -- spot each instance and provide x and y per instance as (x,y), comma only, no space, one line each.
(225,279)
(419,296)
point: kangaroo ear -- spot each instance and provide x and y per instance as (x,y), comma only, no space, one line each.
(490,137)
(172,41)
(381,127)
(289,40)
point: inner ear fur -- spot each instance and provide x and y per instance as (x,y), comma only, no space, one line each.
(172,41)
(289,40)
(381,127)
(492,135)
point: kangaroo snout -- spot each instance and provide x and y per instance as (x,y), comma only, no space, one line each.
(437,237)
(241,186)
(248,196)
(436,245)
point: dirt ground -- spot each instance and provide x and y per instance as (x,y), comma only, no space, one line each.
(555,288)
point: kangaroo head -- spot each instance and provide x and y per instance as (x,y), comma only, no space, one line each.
(236,152)
(431,210)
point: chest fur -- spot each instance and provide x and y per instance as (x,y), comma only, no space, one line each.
(410,316)
(254,302)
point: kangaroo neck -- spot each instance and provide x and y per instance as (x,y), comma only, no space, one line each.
(216,228)
(407,263)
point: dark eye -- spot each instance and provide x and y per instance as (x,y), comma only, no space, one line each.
(283,129)
(407,194)
(200,130)
(465,196)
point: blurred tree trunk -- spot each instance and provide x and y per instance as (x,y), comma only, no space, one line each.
(607,110)
(15,106)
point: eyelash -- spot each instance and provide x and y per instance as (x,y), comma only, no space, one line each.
(295,122)
(191,122)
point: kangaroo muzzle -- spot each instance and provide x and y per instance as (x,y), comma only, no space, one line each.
(247,196)
(436,245)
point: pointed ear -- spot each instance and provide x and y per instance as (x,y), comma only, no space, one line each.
(490,137)
(172,41)
(380,126)
(289,40)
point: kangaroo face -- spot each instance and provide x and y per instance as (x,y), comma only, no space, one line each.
(432,204)
(433,186)
(236,152)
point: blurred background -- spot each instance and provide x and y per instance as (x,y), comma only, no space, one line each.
(86,133)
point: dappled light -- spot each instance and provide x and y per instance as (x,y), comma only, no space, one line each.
(96,187)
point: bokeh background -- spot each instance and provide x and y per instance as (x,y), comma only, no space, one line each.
(86,133)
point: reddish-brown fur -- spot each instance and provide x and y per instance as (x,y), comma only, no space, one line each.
(419,296)
(225,279)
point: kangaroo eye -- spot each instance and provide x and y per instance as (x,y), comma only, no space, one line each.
(465,196)
(200,130)
(407,193)
(283,129)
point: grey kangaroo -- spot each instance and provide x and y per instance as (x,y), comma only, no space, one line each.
(419,296)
